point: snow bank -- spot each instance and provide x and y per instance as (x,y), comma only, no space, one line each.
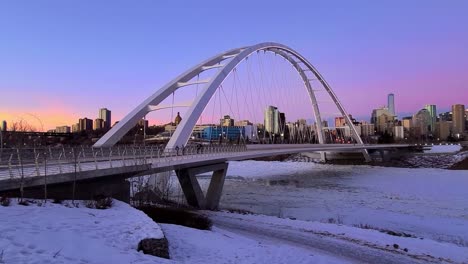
(54,233)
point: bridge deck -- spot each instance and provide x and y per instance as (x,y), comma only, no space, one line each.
(32,172)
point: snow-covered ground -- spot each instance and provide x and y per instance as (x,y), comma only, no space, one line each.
(55,233)
(313,213)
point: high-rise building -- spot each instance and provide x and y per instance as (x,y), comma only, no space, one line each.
(85,124)
(443,129)
(226,121)
(421,123)
(271,119)
(391,103)
(281,123)
(105,115)
(76,128)
(4,126)
(99,123)
(383,120)
(433,113)
(458,120)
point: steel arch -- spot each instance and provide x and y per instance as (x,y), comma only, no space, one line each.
(184,129)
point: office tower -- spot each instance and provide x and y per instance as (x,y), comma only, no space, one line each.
(4,126)
(383,120)
(75,128)
(433,113)
(420,123)
(458,119)
(85,124)
(99,123)
(281,122)
(271,119)
(443,129)
(105,115)
(391,104)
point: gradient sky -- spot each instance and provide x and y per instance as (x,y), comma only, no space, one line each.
(61,60)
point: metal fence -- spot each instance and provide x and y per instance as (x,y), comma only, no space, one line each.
(31,162)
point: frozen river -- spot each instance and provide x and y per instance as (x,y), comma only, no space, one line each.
(428,203)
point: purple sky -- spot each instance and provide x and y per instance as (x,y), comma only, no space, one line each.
(61,60)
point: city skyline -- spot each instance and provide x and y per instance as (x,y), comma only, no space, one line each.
(116,59)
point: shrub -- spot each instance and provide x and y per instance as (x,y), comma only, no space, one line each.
(104,203)
(177,217)
(57,201)
(23,202)
(100,202)
(5,201)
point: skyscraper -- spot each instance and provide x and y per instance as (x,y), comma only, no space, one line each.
(99,124)
(421,123)
(458,119)
(433,113)
(272,120)
(105,115)
(391,103)
(85,124)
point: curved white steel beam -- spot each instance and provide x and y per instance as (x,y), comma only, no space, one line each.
(129,121)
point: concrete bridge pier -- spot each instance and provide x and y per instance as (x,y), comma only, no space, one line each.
(192,190)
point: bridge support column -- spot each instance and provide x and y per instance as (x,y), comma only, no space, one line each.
(323,156)
(192,190)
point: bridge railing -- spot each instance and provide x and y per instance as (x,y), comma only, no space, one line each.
(30,162)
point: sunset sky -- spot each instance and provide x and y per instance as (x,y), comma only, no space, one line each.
(62,60)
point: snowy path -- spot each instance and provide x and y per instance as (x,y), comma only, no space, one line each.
(328,244)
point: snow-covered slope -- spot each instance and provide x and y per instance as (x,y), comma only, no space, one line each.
(54,233)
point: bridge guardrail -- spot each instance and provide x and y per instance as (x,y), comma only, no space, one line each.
(30,162)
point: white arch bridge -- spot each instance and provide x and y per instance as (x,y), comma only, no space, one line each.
(225,63)
(100,168)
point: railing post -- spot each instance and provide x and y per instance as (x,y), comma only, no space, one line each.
(59,162)
(123,156)
(36,162)
(95,159)
(110,157)
(10,165)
